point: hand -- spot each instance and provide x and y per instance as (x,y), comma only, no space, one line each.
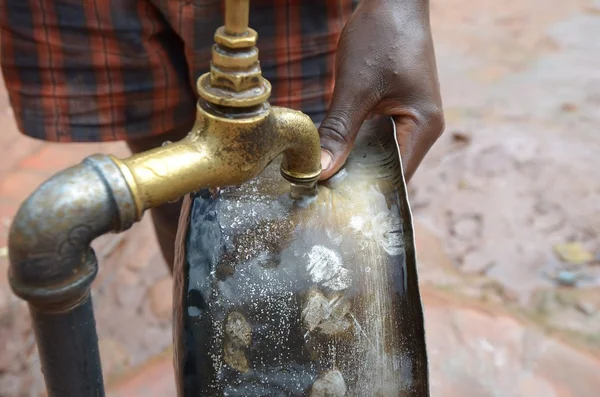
(385,64)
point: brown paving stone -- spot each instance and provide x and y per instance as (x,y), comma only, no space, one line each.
(53,157)
(161,298)
(13,145)
(478,351)
(17,149)
(114,355)
(154,379)
(7,211)
(17,184)
(4,288)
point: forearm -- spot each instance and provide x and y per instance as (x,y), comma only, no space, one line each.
(415,11)
(396,3)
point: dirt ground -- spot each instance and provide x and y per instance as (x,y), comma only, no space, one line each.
(515,179)
(507,212)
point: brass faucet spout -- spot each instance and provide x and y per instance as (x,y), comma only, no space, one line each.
(302,158)
(221,152)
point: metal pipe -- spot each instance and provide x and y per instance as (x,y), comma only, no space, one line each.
(68,348)
(236,17)
(52,267)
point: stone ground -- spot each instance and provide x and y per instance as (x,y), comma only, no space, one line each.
(506,209)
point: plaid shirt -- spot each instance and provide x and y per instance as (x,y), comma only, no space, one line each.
(104,70)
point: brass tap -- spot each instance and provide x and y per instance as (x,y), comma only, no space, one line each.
(225,150)
(236,134)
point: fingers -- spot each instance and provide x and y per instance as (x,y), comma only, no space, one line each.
(349,108)
(415,137)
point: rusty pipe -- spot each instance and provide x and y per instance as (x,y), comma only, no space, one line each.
(50,258)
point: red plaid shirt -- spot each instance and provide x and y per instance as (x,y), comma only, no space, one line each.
(104,70)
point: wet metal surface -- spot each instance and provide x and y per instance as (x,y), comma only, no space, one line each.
(316,296)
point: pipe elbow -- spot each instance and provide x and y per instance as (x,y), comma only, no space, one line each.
(49,240)
(301,161)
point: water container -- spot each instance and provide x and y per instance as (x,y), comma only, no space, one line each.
(316,296)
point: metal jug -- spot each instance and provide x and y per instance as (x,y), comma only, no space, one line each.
(316,296)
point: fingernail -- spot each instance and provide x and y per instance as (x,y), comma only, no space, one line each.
(326,159)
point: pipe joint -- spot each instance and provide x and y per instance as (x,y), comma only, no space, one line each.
(51,261)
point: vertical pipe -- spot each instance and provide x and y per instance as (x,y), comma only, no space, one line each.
(52,267)
(68,349)
(236,16)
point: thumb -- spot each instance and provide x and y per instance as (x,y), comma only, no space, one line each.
(348,110)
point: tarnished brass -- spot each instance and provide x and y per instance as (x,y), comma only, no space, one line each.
(226,97)
(232,60)
(225,147)
(235,78)
(221,151)
(236,42)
